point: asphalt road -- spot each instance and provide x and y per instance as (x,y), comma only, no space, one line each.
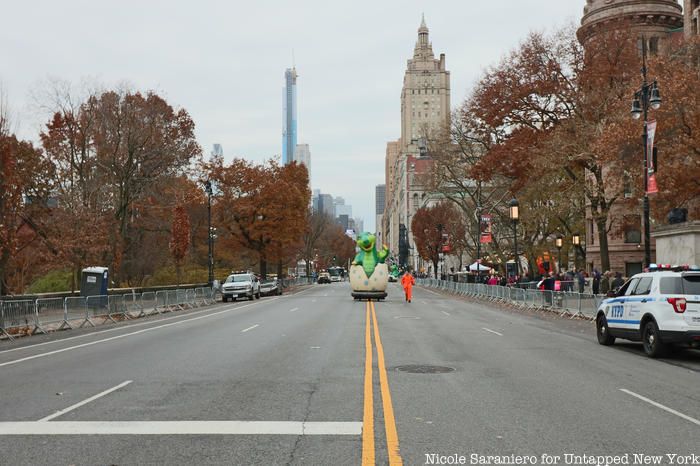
(310,378)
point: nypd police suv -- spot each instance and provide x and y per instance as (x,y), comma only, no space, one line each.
(659,308)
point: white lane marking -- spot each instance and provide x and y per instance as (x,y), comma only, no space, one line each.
(446,313)
(250,328)
(659,405)
(294,310)
(181,428)
(430,291)
(131,325)
(492,331)
(84,402)
(124,335)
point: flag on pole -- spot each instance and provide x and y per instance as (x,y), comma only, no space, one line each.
(652,188)
(486,236)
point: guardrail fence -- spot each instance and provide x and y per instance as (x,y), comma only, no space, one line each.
(45,314)
(563,302)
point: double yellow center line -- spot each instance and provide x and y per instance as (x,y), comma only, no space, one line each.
(392,438)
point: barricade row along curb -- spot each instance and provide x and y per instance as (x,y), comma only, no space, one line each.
(567,303)
(31,316)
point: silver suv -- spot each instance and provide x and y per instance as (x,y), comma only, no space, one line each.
(240,285)
(658,308)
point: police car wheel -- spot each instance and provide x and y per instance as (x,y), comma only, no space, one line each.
(603,331)
(653,346)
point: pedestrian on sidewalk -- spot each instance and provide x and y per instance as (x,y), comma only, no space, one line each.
(581,279)
(407,281)
(596,282)
(605,283)
(618,282)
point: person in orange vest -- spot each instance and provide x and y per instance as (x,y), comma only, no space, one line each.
(407,281)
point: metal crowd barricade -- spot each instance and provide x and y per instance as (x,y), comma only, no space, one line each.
(162,301)
(50,311)
(171,300)
(524,295)
(181,298)
(200,296)
(117,307)
(17,315)
(210,295)
(149,303)
(569,303)
(76,311)
(191,297)
(589,305)
(132,305)
(97,306)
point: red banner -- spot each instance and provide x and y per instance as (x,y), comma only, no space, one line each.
(486,236)
(650,174)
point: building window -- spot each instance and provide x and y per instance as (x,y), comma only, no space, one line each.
(591,229)
(632,228)
(654,45)
(627,186)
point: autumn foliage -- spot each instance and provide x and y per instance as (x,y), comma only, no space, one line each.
(432,229)
(180,237)
(118,181)
(550,125)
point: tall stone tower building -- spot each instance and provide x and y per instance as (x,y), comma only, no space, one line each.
(425,107)
(654,20)
(425,96)
(691,10)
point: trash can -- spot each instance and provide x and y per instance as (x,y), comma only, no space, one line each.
(94,281)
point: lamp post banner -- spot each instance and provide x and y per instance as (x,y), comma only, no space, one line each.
(650,174)
(486,236)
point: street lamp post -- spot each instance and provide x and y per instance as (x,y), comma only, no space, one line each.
(478,238)
(515,216)
(647,96)
(439,250)
(208,189)
(576,241)
(559,243)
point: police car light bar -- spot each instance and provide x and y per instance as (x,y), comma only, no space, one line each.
(673,268)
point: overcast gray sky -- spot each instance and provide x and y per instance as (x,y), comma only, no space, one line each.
(224,62)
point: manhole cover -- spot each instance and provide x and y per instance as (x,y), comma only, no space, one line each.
(422,369)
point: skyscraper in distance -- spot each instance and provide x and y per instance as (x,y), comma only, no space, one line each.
(289,120)
(302,155)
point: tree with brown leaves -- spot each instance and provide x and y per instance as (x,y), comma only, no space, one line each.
(180,238)
(25,183)
(261,208)
(430,226)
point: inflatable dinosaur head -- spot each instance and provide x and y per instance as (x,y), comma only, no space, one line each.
(366,241)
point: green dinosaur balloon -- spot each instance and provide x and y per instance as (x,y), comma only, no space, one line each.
(368,257)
